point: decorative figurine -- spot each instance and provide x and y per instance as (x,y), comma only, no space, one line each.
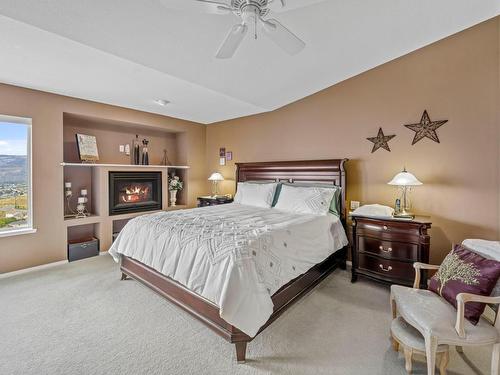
(136,146)
(145,155)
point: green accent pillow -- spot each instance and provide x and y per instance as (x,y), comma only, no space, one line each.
(335,206)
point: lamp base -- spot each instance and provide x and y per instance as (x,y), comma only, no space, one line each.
(403,215)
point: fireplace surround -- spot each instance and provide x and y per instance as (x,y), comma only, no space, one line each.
(134,192)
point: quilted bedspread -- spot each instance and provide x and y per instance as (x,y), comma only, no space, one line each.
(236,256)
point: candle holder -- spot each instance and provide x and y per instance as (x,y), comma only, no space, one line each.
(68,194)
(81,208)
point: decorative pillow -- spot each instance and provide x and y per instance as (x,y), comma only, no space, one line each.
(306,200)
(464,271)
(489,250)
(258,195)
(335,204)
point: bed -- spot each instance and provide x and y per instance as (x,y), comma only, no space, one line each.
(239,267)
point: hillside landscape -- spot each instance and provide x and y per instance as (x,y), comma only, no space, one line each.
(12,168)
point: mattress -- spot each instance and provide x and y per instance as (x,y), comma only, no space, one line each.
(235,256)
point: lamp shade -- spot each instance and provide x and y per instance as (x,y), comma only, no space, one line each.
(216,177)
(405,179)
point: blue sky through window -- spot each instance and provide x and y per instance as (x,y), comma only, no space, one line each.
(13,138)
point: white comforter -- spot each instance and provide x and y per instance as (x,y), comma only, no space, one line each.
(233,255)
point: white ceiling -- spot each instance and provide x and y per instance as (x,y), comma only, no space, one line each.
(129,52)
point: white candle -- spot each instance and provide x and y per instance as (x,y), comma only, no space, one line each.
(84,192)
(81,200)
(67,185)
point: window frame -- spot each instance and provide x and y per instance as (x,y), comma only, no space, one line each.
(29,148)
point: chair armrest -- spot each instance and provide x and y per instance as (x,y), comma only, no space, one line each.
(421,266)
(462,299)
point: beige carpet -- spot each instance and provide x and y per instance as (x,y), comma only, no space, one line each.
(79,318)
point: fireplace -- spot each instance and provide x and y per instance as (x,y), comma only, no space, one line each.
(134,192)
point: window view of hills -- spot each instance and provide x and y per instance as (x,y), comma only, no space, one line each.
(13,191)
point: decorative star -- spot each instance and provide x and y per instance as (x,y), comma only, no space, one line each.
(381,141)
(426,128)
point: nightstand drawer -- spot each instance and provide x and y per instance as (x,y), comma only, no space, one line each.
(392,269)
(388,249)
(388,228)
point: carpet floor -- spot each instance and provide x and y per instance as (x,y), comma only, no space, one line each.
(79,318)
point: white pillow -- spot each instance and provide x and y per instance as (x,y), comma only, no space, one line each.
(258,195)
(306,200)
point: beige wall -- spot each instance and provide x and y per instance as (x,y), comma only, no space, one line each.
(48,244)
(455,79)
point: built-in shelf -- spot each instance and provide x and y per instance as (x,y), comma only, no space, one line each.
(95,219)
(97,165)
(92,219)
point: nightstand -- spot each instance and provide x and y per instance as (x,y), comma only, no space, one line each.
(213,201)
(385,249)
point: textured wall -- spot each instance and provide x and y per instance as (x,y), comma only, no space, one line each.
(455,79)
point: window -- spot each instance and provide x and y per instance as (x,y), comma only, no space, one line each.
(15,176)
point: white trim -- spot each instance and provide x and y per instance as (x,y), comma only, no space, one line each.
(17,232)
(31,269)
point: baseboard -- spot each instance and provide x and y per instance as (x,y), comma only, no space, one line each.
(31,269)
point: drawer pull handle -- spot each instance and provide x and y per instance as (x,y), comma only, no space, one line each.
(386,227)
(388,250)
(388,269)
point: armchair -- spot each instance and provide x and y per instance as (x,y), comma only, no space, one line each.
(439,322)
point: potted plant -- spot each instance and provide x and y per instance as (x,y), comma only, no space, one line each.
(174,185)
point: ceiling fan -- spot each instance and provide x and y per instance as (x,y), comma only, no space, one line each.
(253,14)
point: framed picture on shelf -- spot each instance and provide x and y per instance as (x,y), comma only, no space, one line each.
(87,148)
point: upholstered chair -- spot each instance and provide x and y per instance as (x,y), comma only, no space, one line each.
(439,322)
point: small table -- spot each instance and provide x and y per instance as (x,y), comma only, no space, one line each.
(412,342)
(213,201)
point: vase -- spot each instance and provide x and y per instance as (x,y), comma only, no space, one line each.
(173,197)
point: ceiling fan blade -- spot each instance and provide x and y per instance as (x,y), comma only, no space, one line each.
(283,37)
(286,5)
(232,41)
(216,7)
(199,6)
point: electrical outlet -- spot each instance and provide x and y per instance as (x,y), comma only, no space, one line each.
(354,205)
(122,148)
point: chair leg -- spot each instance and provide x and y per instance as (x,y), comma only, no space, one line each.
(495,359)
(430,353)
(408,359)
(459,349)
(443,363)
(395,345)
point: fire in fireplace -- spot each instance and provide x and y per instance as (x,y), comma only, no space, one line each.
(134,192)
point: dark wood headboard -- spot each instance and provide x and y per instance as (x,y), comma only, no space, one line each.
(324,171)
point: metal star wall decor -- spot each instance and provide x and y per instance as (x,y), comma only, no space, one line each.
(381,141)
(426,128)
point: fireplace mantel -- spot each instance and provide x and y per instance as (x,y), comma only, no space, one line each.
(97,165)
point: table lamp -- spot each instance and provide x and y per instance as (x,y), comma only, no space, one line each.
(404,180)
(215,178)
